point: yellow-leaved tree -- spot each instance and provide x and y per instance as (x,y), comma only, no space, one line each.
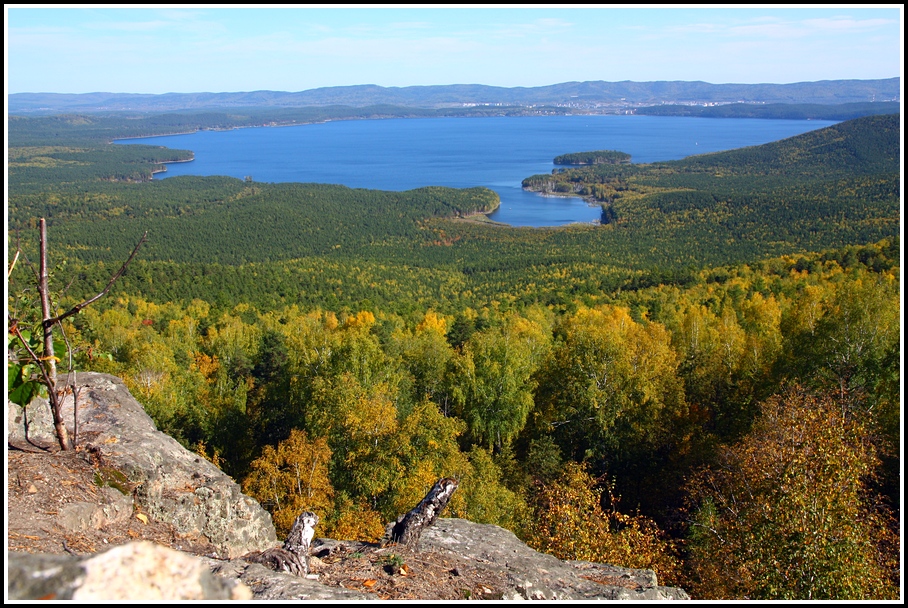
(613,383)
(292,478)
(496,378)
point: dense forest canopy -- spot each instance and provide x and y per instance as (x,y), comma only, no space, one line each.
(636,392)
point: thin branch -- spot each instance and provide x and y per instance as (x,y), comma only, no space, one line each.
(49,367)
(25,259)
(13,264)
(13,328)
(44,291)
(558,423)
(68,550)
(68,285)
(713,530)
(78,307)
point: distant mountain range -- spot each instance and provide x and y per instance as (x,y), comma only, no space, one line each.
(583,95)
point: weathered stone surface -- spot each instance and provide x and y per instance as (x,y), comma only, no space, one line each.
(170,483)
(114,507)
(31,426)
(42,576)
(267,584)
(534,575)
(140,570)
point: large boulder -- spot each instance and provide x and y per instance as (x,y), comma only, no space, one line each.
(139,570)
(170,483)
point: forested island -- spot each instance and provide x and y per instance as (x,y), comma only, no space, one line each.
(707,385)
(594,157)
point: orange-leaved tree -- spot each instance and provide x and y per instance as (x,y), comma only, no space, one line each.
(786,513)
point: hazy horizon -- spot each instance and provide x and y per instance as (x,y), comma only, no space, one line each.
(369,84)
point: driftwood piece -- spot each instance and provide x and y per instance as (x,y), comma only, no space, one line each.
(408,527)
(293,556)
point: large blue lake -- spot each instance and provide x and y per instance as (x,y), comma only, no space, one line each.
(498,153)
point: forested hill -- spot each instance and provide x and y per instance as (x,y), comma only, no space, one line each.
(100,128)
(862,146)
(797,111)
(830,188)
(618,94)
(839,182)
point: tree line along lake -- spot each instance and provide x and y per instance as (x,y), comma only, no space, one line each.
(498,153)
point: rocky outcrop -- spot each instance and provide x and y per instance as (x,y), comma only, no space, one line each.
(172,485)
(537,576)
(520,572)
(152,572)
(167,481)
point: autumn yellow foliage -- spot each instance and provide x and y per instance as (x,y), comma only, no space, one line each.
(292,478)
(571,523)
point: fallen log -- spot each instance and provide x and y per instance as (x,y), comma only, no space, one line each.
(408,527)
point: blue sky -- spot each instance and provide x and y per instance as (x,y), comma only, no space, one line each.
(180,48)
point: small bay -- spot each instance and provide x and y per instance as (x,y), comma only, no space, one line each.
(498,153)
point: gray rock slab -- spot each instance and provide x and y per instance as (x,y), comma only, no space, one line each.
(534,575)
(267,584)
(113,508)
(31,426)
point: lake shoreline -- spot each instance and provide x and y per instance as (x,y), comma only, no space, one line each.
(497,153)
(168,162)
(589,200)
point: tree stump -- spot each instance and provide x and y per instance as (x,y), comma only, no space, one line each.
(408,527)
(293,556)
